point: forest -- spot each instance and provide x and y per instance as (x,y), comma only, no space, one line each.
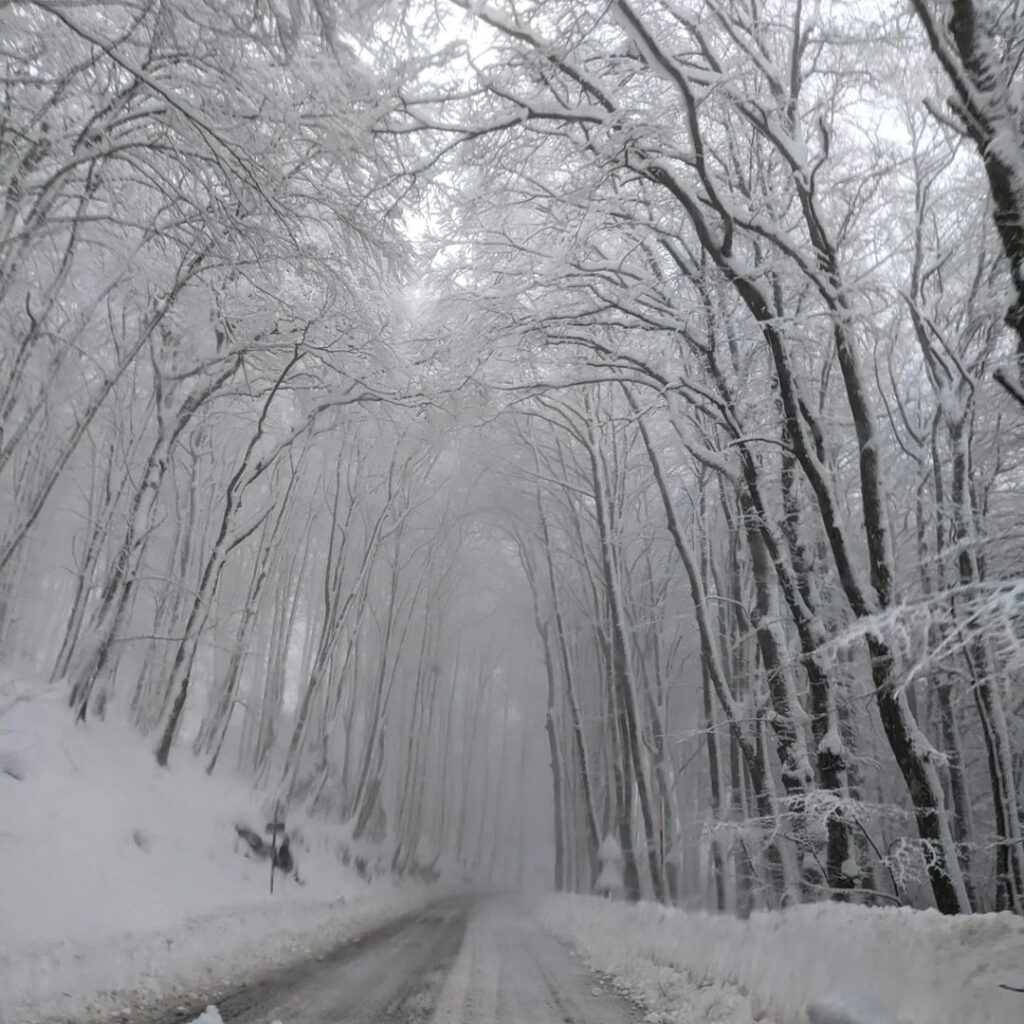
(519,428)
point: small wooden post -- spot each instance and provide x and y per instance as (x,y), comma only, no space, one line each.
(274,827)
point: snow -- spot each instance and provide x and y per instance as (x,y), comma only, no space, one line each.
(609,850)
(123,881)
(209,1016)
(831,743)
(509,971)
(609,854)
(825,963)
(610,878)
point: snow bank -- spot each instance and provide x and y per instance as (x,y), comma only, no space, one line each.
(211,1015)
(123,881)
(828,963)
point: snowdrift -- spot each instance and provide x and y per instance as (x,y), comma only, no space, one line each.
(846,964)
(123,881)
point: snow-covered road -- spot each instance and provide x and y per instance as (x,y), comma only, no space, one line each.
(462,961)
(511,971)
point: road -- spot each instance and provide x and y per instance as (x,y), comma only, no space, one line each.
(461,961)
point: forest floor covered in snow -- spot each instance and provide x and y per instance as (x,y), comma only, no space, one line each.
(125,889)
(828,963)
(125,884)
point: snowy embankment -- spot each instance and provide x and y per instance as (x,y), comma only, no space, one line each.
(844,964)
(123,884)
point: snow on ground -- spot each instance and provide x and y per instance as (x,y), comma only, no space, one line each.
(209,1016)
(123,881)
(828,963)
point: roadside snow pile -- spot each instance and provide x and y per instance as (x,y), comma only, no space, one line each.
(120,877)
(211,1015)
(828,963)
